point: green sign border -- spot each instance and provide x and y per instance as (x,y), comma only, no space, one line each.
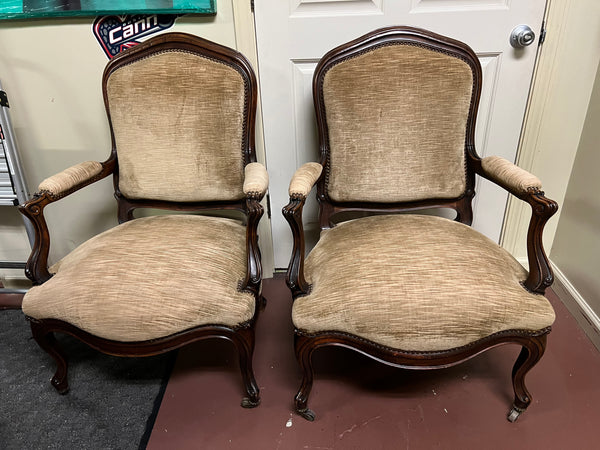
(15,9)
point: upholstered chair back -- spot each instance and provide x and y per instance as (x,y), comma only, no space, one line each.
(178,123)
(396,118)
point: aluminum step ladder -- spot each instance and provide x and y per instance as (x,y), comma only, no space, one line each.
(13,189)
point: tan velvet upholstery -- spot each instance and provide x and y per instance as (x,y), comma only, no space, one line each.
(69,178)
(149,278)
(178,121)
(506,173)
(256,179)
(304,179)
(397,121)
(415,283)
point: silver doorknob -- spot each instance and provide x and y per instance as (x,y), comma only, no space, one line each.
(522,36)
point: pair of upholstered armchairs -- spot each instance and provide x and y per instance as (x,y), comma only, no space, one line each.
(396,113)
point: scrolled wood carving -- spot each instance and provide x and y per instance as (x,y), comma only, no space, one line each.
(540,273)
(254,211)
(295,273)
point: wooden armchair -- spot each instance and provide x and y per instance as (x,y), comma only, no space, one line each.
(182,112)
(396,115)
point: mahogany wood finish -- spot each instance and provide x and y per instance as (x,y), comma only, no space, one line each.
(295,272)
(37,265)
(242,338)
(540,276)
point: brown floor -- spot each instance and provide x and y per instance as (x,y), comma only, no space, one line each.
(10,301)
(361,404)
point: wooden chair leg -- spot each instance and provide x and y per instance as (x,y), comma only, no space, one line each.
(47,342)
(304,350)
(530,354)
(244,342)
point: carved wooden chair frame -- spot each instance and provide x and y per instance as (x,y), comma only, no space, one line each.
(540,274)
(37,266)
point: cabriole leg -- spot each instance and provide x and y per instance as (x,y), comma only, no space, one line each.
(304,350)
(244,342)
(530,354)
(47,342)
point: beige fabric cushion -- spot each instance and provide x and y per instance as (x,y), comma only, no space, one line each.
(71,177)
(397,121)
(415,283)
(503,171)
(178,119)
(256,179)
(149,278)
(304,179)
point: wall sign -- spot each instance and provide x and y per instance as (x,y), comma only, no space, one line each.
(118,33)
(21,9)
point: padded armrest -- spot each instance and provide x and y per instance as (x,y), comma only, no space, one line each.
(507,175)
(304,179)
(62,182)
(527,187)
(256,179)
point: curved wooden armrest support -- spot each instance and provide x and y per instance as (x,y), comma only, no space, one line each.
(540,274)
(525,186)
(254,273)
(295,273)
(300,186)
(37,264)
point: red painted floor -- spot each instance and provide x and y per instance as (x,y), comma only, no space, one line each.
(10,301)
(361,404)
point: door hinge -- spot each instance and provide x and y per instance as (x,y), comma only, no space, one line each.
(268,206)
(542,33)
(252,10)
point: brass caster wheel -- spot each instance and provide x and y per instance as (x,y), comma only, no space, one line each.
(249,403)
(308,414)
(514,414)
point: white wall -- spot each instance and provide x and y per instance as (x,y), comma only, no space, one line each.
(557,109)
(560,145)
(576,249)
(51,70)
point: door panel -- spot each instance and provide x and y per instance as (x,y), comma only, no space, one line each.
(292,36)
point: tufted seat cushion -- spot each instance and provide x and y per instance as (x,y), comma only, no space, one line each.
(149,278)
(415,283)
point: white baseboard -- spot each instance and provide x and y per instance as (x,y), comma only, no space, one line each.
(586,317)
(14,279)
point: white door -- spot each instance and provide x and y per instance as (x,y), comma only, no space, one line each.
(292,35)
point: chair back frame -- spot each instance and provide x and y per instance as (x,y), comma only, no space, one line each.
(379,38)
(207,49)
